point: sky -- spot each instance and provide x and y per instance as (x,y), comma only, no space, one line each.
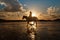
(45,9)
(41,5)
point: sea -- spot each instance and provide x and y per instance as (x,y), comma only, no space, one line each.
(17,31)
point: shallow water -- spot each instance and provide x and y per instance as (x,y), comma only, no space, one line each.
(17,31)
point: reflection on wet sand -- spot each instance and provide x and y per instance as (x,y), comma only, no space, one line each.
(31,30)
(17,31)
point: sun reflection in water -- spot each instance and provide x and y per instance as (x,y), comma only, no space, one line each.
(32,29)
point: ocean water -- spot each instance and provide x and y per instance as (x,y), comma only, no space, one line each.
(18,31)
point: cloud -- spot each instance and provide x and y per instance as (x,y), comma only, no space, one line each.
(13,10)
(10,15)
(53,12)
(12,5)
(2,3)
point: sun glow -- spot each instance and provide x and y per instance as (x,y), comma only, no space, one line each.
(33,14)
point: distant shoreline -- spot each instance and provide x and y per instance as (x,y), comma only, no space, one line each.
(2,20)
(32,20)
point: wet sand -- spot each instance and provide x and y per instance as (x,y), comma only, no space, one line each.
(17,31)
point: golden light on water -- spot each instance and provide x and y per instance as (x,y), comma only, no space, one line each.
(33,24)
(32,28)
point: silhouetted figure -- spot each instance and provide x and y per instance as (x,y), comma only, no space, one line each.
(30,18)
(30,14)
(31,30)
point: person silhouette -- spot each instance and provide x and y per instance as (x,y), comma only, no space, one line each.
(30,15)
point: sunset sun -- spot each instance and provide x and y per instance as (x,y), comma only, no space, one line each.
(33,14)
